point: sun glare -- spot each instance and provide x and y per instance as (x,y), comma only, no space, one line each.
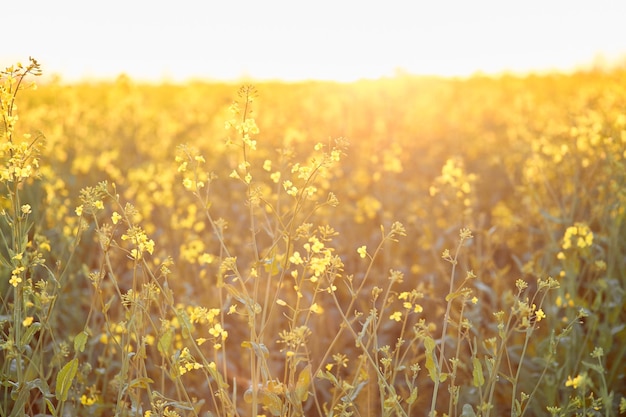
(326,40)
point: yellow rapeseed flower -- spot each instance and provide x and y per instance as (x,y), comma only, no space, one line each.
(575,382)
(85,400)
(540,315)
(397,316)
(275,177)
(116,217)
(316,308)
(188,183)
(296,259)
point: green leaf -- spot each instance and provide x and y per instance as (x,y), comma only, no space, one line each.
(65,378)
(41,385)
(141,382)
(51,408)
(272,262)
(517,409)
(270,401)
(477,373)
(165,343)
(596,367)
(433,372)
(80,341)
(302,385)
(29,333)
(412,397)
(454,295)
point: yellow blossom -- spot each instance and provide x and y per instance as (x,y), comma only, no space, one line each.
(540,315)
(15,280)
(296,259)
(397,316)
(206,258)
(116,217)
(85,400)
(316,308)
(575,382)
(218,331)
(317,245)
(187,183)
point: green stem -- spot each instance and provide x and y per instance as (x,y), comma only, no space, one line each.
(444,331)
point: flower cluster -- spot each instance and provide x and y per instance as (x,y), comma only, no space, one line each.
(577,236)
(137,236)
(186,362)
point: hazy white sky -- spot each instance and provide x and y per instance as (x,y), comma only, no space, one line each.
(323,39)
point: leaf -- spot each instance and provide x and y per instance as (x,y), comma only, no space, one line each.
(517,408)
(412,397)
(51,408)
(272,266)
(468,411)
(29,333)
(141,382)
(108,304)
(433,372)
(272,262)
(41,385)
(270,401)
(353,393)
(477,373)
(302,385)
(65,378)
(454,295)
(596,367)
(328,376)
(165,343)
(80,341)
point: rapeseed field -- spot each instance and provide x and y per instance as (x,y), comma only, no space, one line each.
(400,247)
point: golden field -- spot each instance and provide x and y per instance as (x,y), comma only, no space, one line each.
(400,247)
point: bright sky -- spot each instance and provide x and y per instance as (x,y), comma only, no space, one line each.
(323,39)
